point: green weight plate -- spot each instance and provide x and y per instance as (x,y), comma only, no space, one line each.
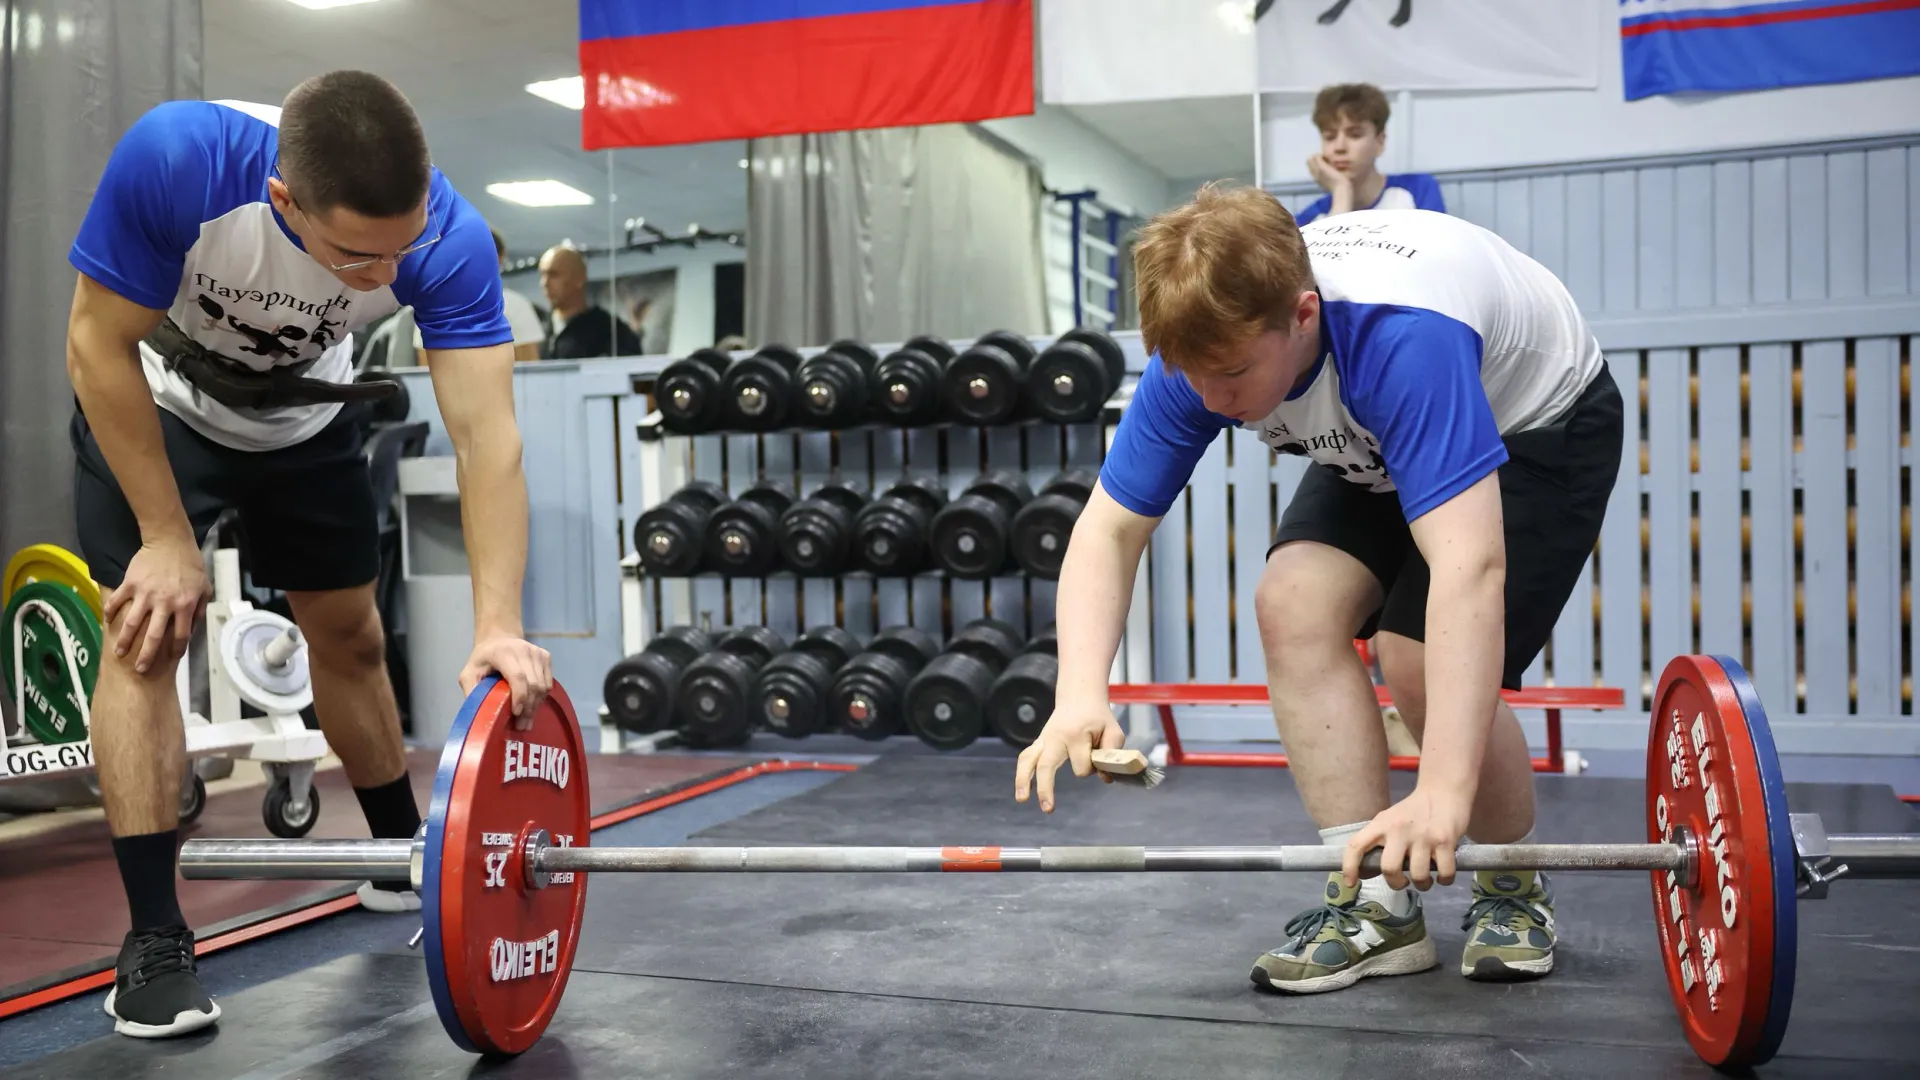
(53,711)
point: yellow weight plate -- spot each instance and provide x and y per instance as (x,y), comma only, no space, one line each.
(50,562)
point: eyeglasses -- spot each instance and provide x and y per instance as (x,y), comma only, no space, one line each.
(358,264)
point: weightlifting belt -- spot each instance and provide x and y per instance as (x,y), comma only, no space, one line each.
(237,386)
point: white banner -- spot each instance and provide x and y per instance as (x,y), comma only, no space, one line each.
(1098,51)
(1303,45)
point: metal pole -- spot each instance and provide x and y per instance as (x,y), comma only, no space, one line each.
(306,860)
(1885,856)
(1114,859)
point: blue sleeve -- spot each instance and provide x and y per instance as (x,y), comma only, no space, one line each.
(1161,436)
(1426,192)
(1412,377)
(1316,208)
(147,210)
(455,288)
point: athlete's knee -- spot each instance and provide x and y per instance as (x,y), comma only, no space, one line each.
(342,628)
(1303,608)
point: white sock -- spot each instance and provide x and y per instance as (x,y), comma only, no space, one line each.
(1397,901)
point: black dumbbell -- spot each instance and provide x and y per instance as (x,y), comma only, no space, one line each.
(1022,696)
(743,537)
(639,690)
(868,691)
(983,384)
(668,534)
(792,689)
(816,533)
(833,384)
(688,392)
(759,388)
(1042,527)
(946,704)
(890,533)
(971,536)
(1073,377)
(713,704)
(905,387)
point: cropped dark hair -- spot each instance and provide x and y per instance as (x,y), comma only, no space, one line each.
(349,138)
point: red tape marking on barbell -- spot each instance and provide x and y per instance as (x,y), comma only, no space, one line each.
(962,859)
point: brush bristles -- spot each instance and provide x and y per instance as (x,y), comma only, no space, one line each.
(1148,777)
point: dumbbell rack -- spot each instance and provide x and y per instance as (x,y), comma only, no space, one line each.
(871,455)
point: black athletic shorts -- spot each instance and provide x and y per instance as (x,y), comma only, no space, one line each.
(307,520)
(1553,495)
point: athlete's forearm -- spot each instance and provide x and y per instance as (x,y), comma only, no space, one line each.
(103,363)
(1465,649)
(1096,588)
(494,515)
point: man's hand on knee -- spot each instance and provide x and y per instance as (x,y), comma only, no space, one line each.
(157,602)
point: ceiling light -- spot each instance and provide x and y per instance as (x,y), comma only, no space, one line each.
(540,193)
(1237,15)
(321,5)
(743,163)
(569,92)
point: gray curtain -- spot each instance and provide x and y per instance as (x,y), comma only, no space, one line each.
(74,75)
(884,234)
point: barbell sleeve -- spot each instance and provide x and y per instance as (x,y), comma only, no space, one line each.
(299,860)
(1877,856)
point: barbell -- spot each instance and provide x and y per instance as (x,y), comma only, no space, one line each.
(501,862)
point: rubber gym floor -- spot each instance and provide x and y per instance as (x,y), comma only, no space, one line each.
(1105,975)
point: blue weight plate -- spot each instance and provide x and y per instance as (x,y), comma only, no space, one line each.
(430,872)
(1786,932)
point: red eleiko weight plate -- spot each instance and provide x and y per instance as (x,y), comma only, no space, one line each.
(1716,938)
(504,948)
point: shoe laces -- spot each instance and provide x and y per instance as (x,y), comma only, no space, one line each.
(158,952)
(1310,923)
(1514,911)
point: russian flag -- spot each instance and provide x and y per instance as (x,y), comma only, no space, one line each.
(678,71)
(1677,46)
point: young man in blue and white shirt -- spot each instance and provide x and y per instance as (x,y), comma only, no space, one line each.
(1352,120)
(229,253)
(1467,435)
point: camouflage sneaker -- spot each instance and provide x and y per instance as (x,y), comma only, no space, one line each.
(1343,941)
(1510,926)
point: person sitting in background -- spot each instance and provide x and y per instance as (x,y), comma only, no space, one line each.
(528,332)
(1352,118)
(579,330)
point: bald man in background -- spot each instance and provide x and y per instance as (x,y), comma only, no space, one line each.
(578,330)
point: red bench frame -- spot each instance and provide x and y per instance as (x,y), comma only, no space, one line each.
(1166,695)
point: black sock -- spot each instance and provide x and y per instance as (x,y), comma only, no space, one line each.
(146,870)
(391,815)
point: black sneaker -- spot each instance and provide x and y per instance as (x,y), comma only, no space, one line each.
(156,986)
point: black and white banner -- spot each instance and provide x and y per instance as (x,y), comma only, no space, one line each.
(1303,45)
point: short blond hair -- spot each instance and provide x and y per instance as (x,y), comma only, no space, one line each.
(1214,274)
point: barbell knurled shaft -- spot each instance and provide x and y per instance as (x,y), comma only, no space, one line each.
(1093,859)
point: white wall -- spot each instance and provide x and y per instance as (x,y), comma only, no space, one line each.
(693,287)
(1479,131)
(1073,157)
